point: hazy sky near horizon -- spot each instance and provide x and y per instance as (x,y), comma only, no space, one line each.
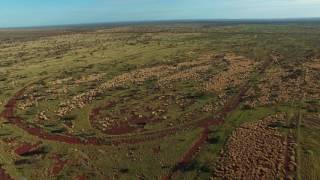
(15,13)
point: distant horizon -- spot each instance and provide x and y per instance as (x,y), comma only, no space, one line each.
(142,22)
(39,13)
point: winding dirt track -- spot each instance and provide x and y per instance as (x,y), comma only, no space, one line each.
(9,114)
(221,115)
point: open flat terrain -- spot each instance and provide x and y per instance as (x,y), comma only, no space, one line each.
(178,101)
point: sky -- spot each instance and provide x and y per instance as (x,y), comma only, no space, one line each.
(20,13)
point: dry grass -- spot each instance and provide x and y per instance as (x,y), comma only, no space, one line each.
(256,151)
(165,74)
(238,70)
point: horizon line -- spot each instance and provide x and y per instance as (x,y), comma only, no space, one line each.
(133,22)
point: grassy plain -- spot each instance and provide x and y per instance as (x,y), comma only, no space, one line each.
(128,102)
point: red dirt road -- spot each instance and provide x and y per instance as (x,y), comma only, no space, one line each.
(10,114)
(10,108)
(231,105)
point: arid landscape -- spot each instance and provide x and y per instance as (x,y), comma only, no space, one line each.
(170,101)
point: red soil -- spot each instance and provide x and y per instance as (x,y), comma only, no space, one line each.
(121,129)
(4,175)
(9,114)
(81,177)
(58,165)
(232,104)
(25,148)
(118,129)
(133,123)
(195,148)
